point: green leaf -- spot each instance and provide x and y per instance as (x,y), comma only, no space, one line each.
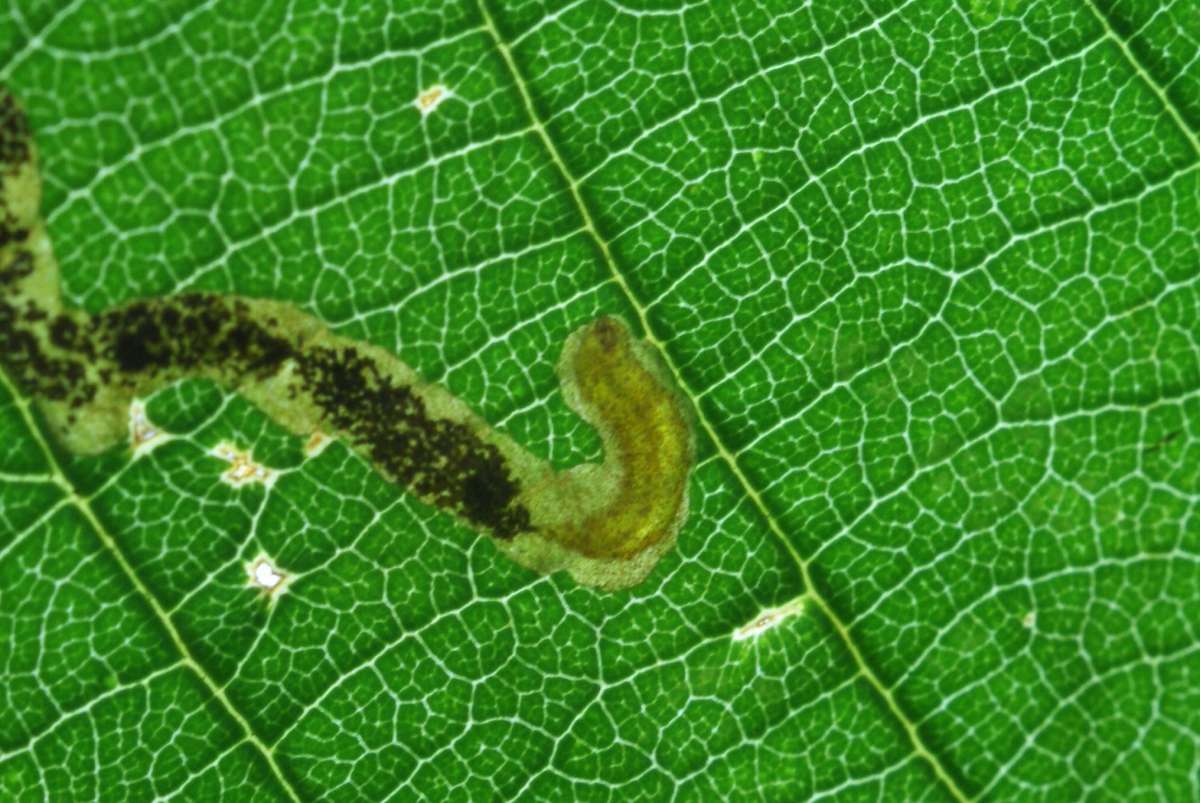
(929,274)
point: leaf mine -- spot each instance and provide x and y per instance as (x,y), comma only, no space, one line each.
(607,524)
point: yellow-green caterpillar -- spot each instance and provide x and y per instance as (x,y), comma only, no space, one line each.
(607,524)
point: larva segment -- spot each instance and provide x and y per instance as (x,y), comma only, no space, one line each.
(607,524)
(614,382)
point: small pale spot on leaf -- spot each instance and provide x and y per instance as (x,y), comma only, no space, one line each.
(266,577)
(431,98)
(243,470)
(316,443)
(144,436)
(1030,620)
(768,619)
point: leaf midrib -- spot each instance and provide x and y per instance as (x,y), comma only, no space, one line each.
(863,667)
(1139,69)
(59,477)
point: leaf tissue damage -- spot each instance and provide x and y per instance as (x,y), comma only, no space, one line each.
(607,524)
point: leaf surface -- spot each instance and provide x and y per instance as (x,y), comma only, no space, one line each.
(929,274)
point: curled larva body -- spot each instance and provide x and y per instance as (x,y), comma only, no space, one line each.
(607,524)
(611,522)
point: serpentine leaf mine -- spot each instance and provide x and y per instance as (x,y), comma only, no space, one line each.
(607,524)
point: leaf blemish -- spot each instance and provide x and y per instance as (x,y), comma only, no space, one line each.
(262,574)
(243,469)
(769,619)
(144,435)
(606,524)
(431,98)
(316,443)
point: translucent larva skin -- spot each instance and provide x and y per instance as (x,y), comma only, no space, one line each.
(606,524)
(646,438)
